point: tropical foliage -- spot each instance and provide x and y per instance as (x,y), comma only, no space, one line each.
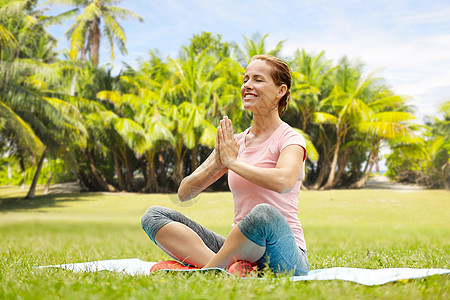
(425,158)
(147,127)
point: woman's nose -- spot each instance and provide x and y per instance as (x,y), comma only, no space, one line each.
(247,84)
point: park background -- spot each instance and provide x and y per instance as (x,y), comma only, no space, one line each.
(76,107)
(370,89)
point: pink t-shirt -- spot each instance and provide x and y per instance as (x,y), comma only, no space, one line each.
(247,194)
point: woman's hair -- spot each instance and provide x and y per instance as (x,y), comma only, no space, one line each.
(281,74)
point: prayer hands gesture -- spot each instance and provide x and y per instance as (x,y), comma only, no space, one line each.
(227,148)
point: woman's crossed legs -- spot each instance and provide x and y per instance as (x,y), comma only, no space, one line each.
(262,236)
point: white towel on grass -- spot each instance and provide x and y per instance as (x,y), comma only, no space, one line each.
(135,266)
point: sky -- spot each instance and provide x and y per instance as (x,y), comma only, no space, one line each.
(407,42)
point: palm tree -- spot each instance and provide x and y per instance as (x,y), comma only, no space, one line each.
(104,121)
(409,156)
(93,158)
(189,129)
(148,125)
(382,125)
(145,99)
(62,131)
(312,83)
(347,104)
(157,134)
(439,146)
(191,89)
(257,45)
(363,113)
(86,33)
(23,31)
(35,123)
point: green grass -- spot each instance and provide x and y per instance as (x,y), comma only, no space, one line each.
(358,228)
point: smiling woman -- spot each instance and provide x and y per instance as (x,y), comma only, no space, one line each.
(266,73)
(266,168)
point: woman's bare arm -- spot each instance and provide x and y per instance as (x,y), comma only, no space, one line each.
(206,174)
(281,178)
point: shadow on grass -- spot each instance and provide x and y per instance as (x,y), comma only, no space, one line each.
(20,204)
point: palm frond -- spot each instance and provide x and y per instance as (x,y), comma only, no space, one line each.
(23,135)
(123,13)
(13,8)
(112,96)
(388,130)
(57,20)
(322,117)
(132,133)
(311,150)
(392,116)
(7,39)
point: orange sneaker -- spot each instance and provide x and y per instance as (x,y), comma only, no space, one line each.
(170,265)
(242,268)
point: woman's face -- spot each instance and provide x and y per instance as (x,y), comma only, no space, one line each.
(259,92)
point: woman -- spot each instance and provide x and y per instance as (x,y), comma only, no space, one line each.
(265,165)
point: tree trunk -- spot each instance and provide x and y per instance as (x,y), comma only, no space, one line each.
(446,185)
(305,120)
(120,180)
(152,180)
(162,178)
(342,161)
(86,180)
(178,175)
(31,192)
(129,174)
(330,180)
(178,172)
(194,158)
(321,177)
(442,173)
(446,169)
(95,35)
(368,169)
(98,178)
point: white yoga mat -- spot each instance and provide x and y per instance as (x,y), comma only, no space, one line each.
(135,266)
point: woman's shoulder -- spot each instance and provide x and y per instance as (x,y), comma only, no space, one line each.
(290,134)
(288,129)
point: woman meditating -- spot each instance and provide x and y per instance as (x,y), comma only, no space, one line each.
(265,166)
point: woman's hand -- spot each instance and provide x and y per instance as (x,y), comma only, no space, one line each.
(228,148)
(217,151)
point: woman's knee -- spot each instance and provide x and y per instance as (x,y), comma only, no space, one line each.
(152,213)
(154,218)
(261,223)
(264,213)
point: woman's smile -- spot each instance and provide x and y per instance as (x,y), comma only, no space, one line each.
(249,96)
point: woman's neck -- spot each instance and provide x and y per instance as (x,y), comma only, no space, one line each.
(265,124)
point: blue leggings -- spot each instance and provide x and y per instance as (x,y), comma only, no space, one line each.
(264,225)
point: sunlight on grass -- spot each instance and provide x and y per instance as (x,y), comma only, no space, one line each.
(357,228)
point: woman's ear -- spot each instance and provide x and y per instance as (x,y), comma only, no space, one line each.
(282,91)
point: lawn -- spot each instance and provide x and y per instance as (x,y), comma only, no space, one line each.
(351,228)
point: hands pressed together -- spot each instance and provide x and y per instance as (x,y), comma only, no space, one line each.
(226,146)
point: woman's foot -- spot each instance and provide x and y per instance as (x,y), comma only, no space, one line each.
(170,265)
(242,268)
